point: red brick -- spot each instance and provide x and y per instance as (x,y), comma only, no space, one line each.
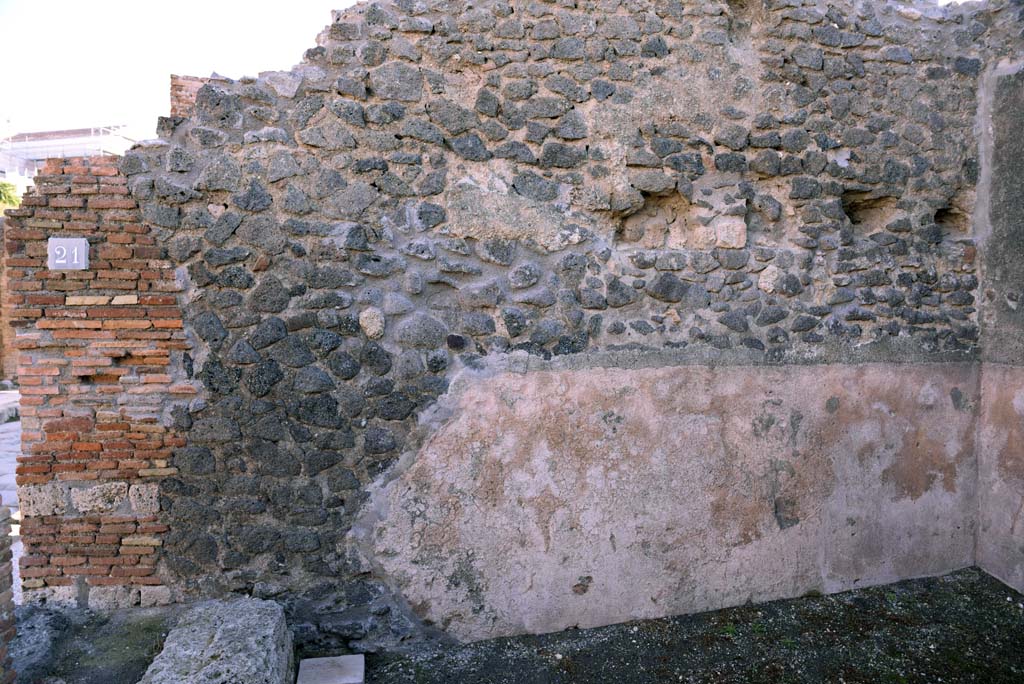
(91,359)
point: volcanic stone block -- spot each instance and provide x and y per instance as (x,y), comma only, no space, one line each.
(101,498)
(243,640)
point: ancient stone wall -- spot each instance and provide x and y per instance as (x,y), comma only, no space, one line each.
(513,316)
(100,366)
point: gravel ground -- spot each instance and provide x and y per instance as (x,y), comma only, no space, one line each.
(963,627)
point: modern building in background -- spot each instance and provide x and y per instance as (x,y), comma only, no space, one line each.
(23,154)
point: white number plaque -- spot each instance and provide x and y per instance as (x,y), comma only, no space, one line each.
(67,254)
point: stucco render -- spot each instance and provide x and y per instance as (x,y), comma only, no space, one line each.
(1000,222)
(588,497)
(1001,474)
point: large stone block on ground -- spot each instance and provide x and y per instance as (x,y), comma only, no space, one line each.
(40,631)
(226,642)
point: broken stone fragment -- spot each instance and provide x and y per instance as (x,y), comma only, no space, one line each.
(730,232)
(371,320)
(770,279)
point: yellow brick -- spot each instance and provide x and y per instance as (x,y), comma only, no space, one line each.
(141,540)
(157,472)
(125,299)
(91,300)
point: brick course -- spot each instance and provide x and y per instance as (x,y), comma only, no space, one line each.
(95,348)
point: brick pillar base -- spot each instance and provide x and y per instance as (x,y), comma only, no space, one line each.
(100,359)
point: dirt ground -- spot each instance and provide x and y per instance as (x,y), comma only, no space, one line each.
(963,627)
(77,647)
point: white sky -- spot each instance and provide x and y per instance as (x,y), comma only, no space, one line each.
(83,63)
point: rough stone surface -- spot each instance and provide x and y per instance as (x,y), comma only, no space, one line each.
(86,647)
(222,642)
(144,498)
(40,630)
(42,500)
(151,596)
(102,498)
(109,598)
(371,320)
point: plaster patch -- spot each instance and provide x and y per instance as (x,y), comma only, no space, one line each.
(673,490)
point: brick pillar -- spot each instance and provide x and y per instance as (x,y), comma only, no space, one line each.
(183,94)
(8,356)
(98,349)
(6,596)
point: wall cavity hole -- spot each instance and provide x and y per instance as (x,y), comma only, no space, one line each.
(661,222)
(867,212)
(951,220)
